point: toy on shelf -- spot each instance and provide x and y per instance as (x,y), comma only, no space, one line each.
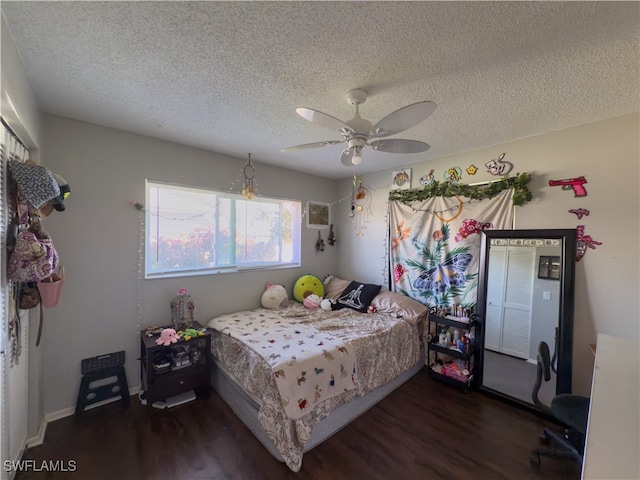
(189,333)
(167,337)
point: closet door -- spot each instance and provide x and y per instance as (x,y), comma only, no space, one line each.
(516,315)
(4,307)
(495,294)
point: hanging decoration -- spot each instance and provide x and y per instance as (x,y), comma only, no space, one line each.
(331,240)
(575,184)
(249,190)
(518,183)
(320,243)
(453,175)
(360,206)
(401,179)
(498,167)
(427,179)
(579,212)
(583,242)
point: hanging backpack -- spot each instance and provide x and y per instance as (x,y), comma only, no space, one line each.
(33,257)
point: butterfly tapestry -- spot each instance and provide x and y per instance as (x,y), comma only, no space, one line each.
(434,246)
(440,274)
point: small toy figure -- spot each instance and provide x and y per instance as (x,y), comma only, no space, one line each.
(167,337)
(189,333)
(312,301)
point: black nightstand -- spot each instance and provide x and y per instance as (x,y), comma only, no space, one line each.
(166,371)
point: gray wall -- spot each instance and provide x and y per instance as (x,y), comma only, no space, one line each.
(607,153)
(544,313)
(97,238)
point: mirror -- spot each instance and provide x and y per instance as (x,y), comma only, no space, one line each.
(525,295)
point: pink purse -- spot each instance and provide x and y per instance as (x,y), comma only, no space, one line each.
(34,257)
(50,288)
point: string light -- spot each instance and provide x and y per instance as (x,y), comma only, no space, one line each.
(436,212)
(139,279)
(386,267)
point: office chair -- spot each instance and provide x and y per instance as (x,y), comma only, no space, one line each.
(571,411)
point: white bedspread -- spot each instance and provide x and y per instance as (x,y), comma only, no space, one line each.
(309,365)
(384,347)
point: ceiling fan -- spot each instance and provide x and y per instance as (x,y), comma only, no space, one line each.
(359,133)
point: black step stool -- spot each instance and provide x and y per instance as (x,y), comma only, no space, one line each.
(100,368)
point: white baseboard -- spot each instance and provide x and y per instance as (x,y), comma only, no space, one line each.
(12,472)
(38,439)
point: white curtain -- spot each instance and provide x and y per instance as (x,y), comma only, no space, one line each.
(435,244)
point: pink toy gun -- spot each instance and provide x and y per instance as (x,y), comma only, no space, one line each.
(571,183)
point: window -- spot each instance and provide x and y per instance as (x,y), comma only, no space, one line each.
(197,231)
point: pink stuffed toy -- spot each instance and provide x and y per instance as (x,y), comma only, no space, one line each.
(312,301)
(167,336)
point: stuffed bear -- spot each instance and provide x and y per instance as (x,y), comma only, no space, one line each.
(167,336)
(275,296)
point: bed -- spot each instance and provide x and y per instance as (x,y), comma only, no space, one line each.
(295,376)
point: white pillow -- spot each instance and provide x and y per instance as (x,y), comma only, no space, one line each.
(399,305)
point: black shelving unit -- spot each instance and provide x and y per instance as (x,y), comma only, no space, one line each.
(166,371)
(456,366)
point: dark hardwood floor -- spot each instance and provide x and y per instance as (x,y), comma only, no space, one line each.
(423,430)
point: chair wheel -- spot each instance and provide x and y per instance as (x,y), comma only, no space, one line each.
(545,438)
(534,459)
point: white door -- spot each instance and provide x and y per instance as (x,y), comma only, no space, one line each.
(516,317)
(495,294)
(4,438)
(509,299)
(4,312)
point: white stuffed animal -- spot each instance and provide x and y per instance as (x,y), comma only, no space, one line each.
(327,304)
(275,296)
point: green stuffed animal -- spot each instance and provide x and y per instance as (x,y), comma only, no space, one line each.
(189,333)
(306,285)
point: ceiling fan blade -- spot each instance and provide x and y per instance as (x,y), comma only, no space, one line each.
(403,119)
(326,143)
(398,145)
(324,120)
(346,157)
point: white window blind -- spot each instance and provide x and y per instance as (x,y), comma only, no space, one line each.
(196,231)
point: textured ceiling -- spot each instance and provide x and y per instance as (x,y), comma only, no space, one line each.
(228,76)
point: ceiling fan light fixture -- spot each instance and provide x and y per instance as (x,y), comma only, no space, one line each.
(357,156)
(358,132)
(356,145)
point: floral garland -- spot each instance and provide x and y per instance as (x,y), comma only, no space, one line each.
(521,193)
